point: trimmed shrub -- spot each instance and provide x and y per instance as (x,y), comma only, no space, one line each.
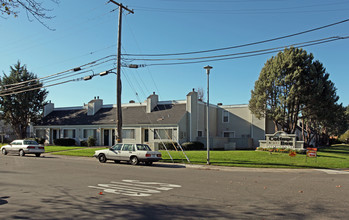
(195,145)
(168,145)
(64,142)
(83,143)
(91,141)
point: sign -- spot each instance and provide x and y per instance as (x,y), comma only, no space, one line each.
(281,139)
(292,154)
(311,152)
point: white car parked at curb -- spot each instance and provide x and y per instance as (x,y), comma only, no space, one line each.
(133,153)
(23,147)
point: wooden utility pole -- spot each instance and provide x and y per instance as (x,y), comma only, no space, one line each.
(118,75)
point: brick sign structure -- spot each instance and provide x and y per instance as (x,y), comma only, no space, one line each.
(281,140)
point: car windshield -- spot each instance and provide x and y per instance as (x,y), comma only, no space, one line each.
(30,142)
(143,147)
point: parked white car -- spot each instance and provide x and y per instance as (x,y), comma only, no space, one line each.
(133,153)
(23,147)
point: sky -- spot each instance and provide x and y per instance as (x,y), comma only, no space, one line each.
(86,31)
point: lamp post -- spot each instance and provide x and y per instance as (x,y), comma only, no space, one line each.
(208,68)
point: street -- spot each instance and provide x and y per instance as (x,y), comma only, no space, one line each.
(59,187)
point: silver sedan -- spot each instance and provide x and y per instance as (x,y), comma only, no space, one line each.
(133,153)
(23,147)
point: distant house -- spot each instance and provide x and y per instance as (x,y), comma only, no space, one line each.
(154,122)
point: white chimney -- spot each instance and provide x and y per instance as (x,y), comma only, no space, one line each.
(94,106)
(152,102)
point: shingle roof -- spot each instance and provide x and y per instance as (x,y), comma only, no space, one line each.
(135,115)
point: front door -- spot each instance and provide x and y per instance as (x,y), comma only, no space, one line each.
(55,134)
(106,137)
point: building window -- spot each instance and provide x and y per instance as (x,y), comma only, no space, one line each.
(90,133)
(229,134)
(225,116)
(162,133)
(128,133)
(41,133)
(69,133)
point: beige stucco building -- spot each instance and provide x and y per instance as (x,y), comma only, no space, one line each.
(155,122)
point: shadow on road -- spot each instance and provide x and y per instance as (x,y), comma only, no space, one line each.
(3,200)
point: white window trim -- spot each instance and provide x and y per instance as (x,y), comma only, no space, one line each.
(64,129)
(223,116)
(83,132)
(229,132)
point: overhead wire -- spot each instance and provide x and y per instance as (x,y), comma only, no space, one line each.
(23,86)
(243,56)
(234,54)
(245,45)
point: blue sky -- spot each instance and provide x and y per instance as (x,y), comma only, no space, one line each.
(86,30)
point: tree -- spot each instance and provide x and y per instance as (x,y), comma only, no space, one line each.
(278,91)
(292,85)
(20,108)
(32,7)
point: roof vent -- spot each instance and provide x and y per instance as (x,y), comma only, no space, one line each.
(132,101)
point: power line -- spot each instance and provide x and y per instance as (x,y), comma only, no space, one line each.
(24,86)
(243,56)
(244,45)
(234,54)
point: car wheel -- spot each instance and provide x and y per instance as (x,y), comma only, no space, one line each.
(102,158)
(37,154)
(149,163)
(21,153)
(134,160)
(116,161)
(4,152)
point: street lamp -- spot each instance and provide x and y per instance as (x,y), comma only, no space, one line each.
(208,68)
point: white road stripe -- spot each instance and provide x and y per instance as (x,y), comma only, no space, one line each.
(135,187)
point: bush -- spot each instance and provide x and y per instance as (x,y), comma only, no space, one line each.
(64,142)
(91,141)
(168,145)
(83,143)
(195,145)
(344,138)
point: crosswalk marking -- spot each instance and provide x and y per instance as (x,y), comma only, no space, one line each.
(135,187)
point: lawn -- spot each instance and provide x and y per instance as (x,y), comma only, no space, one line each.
(74,151)
(49,149)
(332,157)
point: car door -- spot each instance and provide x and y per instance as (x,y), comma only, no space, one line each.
(126,152)
(114,152)
(14,146)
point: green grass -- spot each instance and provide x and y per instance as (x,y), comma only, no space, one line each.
(329,157)
(333,157)
(49,149)
(79,151)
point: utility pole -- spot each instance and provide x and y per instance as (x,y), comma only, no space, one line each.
(118,74)
(208,68)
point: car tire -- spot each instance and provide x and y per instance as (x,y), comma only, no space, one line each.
(134,160)
(149,163)
(37,154)
(102,158)
(4,152)
(116,161)
(21,153)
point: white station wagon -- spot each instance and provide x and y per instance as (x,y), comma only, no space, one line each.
(23,147)
(133,153)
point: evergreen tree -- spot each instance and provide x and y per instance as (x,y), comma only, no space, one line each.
(20,108)
(292,85)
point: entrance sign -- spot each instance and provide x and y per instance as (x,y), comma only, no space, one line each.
(281,140)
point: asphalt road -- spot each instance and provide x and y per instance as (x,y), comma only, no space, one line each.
(54,187)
